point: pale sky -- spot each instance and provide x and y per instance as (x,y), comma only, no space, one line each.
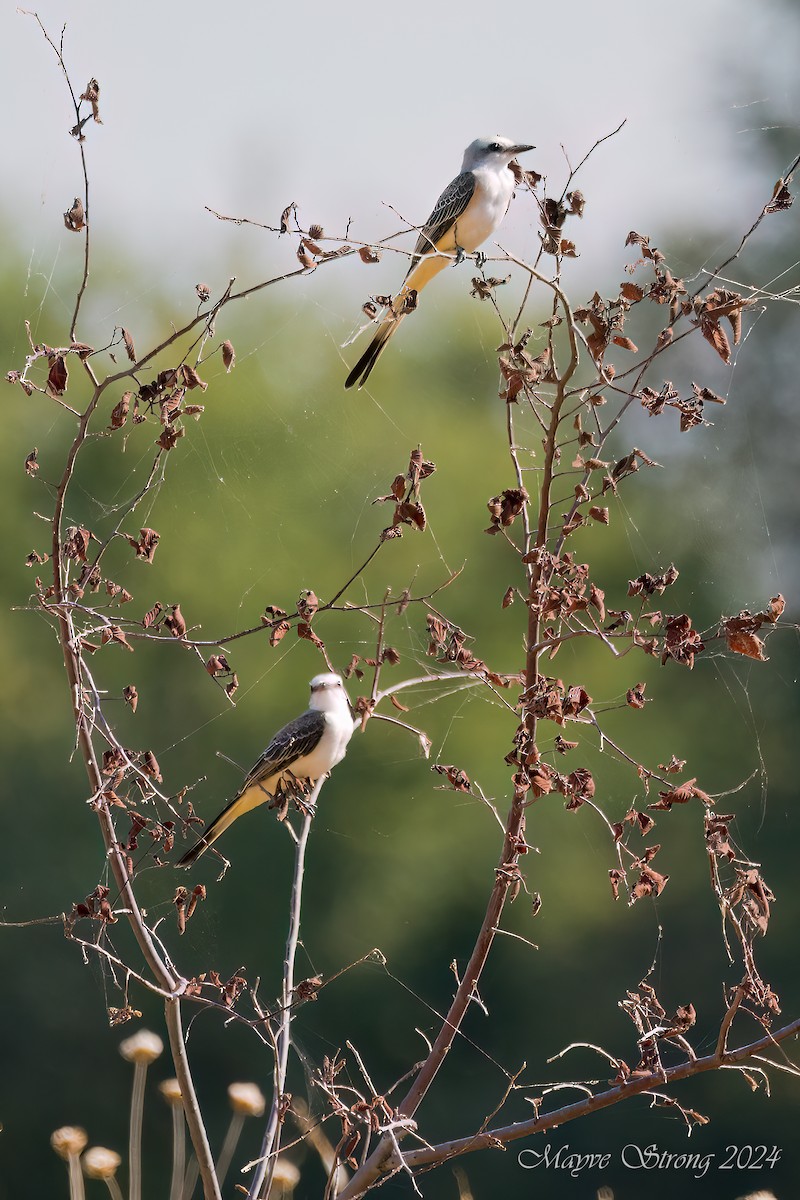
(350,106)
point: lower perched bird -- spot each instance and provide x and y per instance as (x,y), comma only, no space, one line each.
(305,749)
(466,214)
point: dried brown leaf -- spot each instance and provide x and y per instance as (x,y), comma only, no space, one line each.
(190,377)
(285,216)
(174,621)
(74,217)
(150,766)
(631,292)
(113,633)
(119,413)
(747,644)
(58,375)
(782,198)
(92,94)
(458,779)
(130,349)
(145,546)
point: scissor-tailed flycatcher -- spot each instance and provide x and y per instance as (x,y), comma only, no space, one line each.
(305,749)
(466,214)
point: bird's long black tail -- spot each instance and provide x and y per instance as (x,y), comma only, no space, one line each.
(212,832)
(361,371)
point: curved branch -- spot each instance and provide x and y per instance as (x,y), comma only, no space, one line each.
(634,1087)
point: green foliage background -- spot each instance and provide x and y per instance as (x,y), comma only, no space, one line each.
(270,492)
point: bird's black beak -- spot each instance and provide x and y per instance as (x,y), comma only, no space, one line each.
(519,149)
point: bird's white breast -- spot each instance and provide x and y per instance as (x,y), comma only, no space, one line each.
(489,204)
(331,747)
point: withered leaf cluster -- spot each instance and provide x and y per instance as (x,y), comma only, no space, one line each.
(447,644)
(747,901)
(690,409)
(681,642)
(113,634)
(483,288)
(145,544)
(226,992)
(520,370)
(96,907)
(652,585)
(550,700)
(77,542)
(649,882)
(552,216)
(681,794)
(174,621)
(533,777)
(458,779)
(404,494)
(505,508)
(741,632)
(186,902)
(755,897)
(665,289)
(710,310)
(564,588)
(639,820)
(530,178)
(387,655)
(606,319)
(309,253)
(653,1027)
(166,394)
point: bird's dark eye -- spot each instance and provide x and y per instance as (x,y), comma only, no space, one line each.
(495,146)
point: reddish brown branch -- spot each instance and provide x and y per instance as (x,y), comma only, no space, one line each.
(635,1087)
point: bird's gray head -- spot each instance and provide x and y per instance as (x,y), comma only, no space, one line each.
(491,152)
(321,683)
(327,692)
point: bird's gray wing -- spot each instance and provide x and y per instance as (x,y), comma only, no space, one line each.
(449,207)
(295,740)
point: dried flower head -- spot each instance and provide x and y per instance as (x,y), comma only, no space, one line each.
(69,1140)
(100,1163)
(247,1098)
(286,1173)
(171,1091)
(143,1047)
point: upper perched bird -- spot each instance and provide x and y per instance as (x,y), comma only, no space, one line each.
(305,749)
(466,214)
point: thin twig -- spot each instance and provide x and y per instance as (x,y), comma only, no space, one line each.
(262,1177)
